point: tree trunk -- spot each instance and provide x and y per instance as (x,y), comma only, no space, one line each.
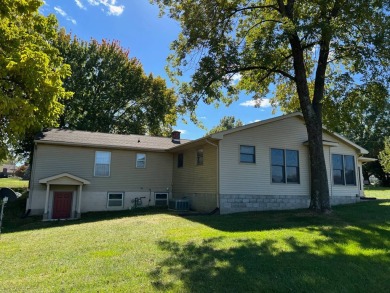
(312,114)
(319,179)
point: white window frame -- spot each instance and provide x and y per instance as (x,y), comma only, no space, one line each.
(115,200)
(139,160)
(109,164)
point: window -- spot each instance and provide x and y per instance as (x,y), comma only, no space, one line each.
(247,154)
(343,170)
(284,166)
(180,160)
(140,161)
(199,157)
(102,164)
(161,199)
(115,200)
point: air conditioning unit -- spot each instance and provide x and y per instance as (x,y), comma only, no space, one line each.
(179,204)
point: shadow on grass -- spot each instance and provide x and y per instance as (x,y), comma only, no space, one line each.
(282,265)
(349,252)
(13,222)
(360,213)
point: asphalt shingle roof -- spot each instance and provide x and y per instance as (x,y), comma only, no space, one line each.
(109,140)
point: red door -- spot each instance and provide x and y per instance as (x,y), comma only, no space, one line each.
(62,205)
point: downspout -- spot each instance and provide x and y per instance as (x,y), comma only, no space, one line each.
(213,144)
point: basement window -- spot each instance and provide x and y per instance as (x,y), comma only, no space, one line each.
(115,199)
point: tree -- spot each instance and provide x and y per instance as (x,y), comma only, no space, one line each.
(227,122)
(31,72)
(111,91)
(384,156)
(290,44)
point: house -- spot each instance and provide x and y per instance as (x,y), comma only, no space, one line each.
(259,166)
(7,170)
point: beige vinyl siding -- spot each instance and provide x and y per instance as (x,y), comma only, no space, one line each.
(193,178)
(245,178)
(51,160)
(341,149)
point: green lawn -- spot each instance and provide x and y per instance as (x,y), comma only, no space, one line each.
(13,182)
(378,192)
(151,251)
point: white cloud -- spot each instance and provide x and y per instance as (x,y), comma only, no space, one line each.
(264,103)
(94,2)
(257,120)
(236,77)
(115,10)
(182,131)
(110,6)
(203,117)
(80,4)
(61,12)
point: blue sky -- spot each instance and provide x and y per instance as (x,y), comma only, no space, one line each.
(136,24)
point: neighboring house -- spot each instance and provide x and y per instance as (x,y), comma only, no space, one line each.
(259,166)
(8,168)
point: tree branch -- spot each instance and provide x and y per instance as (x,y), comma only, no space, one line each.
(319,84)
(256,24)
(270,71)
(250,68)
(253,8)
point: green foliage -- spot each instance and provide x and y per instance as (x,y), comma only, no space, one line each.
(111,91)
(384,155)
(31,72)
(227,122)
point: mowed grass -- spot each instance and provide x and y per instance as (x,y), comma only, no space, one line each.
(152,251)
(13,182)
(377,191)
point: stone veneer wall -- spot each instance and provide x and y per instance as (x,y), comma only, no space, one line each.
(235,203)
